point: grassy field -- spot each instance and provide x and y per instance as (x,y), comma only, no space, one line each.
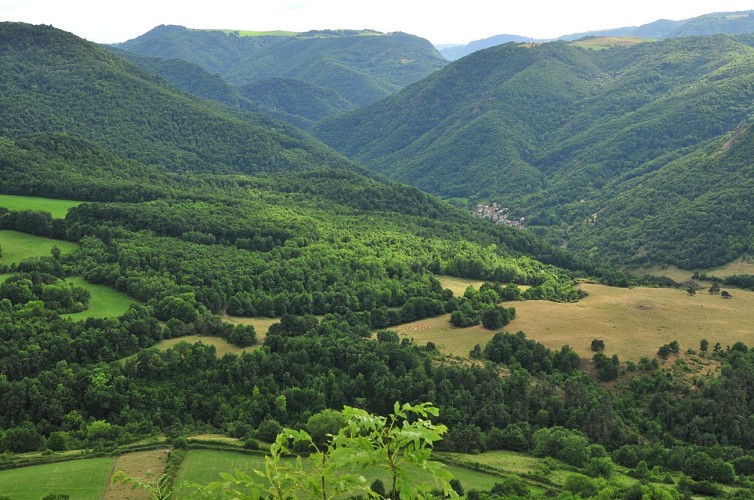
(136,465)
(633,322)
(81,479)
(57,208)
(742,265)
(604,42)
(222,346)
(17,246)
(105,302)
(204,466)
(261,325)
(458,285)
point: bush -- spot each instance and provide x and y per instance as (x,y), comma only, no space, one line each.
(512,486)
(578,484)
(268,430)
(600,467)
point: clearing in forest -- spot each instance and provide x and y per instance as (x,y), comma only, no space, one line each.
(17,246)
(57,208)
(104,301)
(222,346)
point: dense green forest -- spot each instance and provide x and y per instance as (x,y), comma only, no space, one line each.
(325,72)
(646,136)
(193,225)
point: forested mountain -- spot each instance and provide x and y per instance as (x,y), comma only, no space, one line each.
(558,132)
(56,82)
(360,67)
(189,77)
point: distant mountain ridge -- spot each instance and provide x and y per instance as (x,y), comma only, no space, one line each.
(717,23)
(360,67)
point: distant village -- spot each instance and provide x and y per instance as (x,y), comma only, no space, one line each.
(498,215)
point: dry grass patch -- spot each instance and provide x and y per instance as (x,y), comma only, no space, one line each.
(261,325)
(448,338)
(634,322)
(672,272)
(458,285)
(603,42)
(222,346)
(742,265)
(136,465)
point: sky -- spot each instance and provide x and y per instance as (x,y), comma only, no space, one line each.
(439,21)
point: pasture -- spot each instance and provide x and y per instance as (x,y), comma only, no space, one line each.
(17,246)
(204,466)
(81,479)
(57,208)
(105,302)
(633,322)
(742,265)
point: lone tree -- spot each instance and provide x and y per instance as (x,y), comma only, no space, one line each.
(715,288)
(598,345)
(724,294)
(703,345)
(691,290)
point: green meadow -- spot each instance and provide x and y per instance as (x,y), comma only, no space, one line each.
(57,208)
(17,246)
(104,302)
(80,479)
(205,466)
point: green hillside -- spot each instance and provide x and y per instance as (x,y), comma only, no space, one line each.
(360,66)
(557,132)
(294,101)
(189,77)
(56,82)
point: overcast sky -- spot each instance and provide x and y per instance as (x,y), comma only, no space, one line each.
(439,21)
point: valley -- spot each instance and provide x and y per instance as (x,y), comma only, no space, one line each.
(212,261)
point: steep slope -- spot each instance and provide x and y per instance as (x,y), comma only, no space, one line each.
(189,77)
(361,66)
(694,211)
(544,129)
(299,103)
(55,81)
(471,128)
